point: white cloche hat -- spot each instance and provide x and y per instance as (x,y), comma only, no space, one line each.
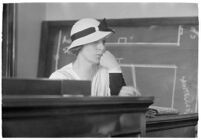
(88,30)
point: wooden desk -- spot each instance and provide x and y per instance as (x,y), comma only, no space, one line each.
(57,116)
(43,111)
(172,126)
(166,126)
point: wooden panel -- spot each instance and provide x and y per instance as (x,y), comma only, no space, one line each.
(45,86)
(56,116)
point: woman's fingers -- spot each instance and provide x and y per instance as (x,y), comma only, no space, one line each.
(129,91)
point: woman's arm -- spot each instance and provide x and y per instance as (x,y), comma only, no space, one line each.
(116,79)
(116,83)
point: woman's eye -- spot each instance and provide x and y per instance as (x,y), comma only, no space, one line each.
(96,42)
(104,42)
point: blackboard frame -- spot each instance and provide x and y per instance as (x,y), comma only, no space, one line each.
(44,62)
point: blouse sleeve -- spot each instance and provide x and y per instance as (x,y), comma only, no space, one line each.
(116,82)
(60,75)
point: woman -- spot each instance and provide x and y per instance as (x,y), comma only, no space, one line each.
(93,62)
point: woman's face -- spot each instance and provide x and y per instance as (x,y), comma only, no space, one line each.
(93,52)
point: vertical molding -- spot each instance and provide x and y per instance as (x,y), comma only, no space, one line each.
(8,43)
(14,40)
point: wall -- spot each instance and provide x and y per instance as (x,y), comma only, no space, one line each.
(119,10)
(30,17)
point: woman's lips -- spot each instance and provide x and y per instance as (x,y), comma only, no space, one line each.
(99,55)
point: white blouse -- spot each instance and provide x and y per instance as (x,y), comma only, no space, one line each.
(100,81)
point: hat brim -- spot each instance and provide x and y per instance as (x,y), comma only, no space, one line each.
(98,35)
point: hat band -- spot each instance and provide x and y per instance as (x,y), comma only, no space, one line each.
(83,33)
(101,27)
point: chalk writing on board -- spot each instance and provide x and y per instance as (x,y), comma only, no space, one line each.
(133,73)
(123,40)
(119,59)
(62,39)
(194,31)
(188,98)
(66,40)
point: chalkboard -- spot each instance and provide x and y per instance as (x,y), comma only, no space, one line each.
(158,56)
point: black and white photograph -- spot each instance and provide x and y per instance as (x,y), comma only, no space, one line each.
(99,69)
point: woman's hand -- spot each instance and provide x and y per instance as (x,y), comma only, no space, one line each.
(129,91)
(109,61)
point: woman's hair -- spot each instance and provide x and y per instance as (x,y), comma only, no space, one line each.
(76,50)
